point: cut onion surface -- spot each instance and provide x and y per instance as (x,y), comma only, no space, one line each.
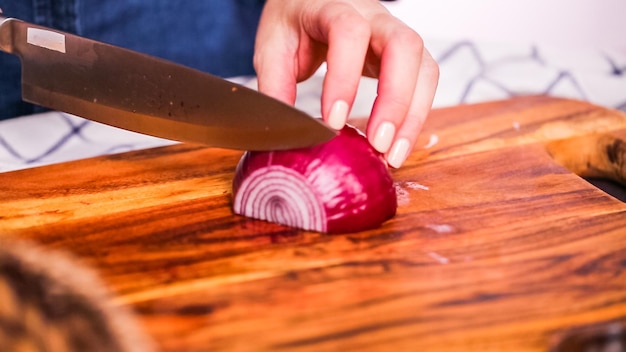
(340,186)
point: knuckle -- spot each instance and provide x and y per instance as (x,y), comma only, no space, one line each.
(352,25)
(430,68)
(359,27)
(400,102)
(407,39)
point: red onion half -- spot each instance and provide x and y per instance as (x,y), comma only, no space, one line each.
(343,185)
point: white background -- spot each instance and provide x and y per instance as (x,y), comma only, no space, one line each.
(600,24)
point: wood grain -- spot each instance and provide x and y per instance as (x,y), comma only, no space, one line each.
(495,246)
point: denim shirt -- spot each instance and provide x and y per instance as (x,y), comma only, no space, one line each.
(215,36)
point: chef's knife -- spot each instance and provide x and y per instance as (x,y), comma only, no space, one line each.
(137,92)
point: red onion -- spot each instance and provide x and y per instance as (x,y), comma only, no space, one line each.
(343,185)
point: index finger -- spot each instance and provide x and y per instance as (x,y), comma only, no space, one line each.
(347,34)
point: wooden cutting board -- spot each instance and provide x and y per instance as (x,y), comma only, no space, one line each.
(495,246)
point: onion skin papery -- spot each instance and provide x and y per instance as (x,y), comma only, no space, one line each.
(341,186)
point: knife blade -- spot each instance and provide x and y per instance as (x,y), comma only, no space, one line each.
(141,93)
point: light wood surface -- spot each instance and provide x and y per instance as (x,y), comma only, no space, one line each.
(495,245)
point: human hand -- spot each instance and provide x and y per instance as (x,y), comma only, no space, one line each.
(355,38)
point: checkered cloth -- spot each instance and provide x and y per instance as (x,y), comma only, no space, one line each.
(470,72)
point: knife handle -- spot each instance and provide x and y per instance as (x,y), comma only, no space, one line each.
(6,33)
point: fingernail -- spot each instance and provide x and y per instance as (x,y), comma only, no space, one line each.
(338,115)
(384,136)
(398,153)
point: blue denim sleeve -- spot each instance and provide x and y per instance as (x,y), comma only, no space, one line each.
(215,36)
